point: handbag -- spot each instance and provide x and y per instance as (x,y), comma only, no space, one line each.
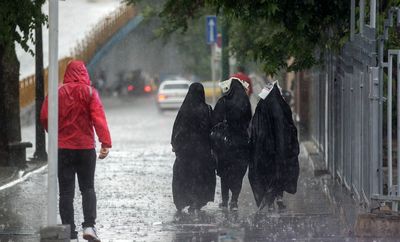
(220,135)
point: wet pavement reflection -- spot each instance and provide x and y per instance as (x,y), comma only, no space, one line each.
(134,194)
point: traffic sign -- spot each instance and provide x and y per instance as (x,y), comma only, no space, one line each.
(211,29)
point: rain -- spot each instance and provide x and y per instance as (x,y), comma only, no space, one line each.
(348,179)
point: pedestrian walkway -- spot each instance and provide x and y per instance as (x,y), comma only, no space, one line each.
(309,216)
(11,175)
(135,202)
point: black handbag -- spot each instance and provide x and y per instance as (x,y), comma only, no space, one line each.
(220,135)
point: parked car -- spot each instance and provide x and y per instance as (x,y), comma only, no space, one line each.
(172,93)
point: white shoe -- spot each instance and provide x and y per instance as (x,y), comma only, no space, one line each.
(89,233)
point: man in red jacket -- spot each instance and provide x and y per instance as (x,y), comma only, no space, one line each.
(80,110)
(242,76)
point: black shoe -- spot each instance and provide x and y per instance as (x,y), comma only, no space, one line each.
(223,205)
(280,204)
(263,204)
(234,206)
(271,207)
(191,209)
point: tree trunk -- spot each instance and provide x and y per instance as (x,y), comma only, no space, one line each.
(10,126)
(3,118)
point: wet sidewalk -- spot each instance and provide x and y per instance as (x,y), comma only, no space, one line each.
(309,216)
(11,175)
(134,195)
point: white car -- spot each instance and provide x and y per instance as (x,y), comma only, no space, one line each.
(172,93)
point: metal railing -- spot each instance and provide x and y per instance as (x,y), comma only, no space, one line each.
(84,50)
(106,28)
(354,95)
(27,85)
(389,91)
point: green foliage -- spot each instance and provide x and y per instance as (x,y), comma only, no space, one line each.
(17,21)
(269,31)
(191,43)
(194,49)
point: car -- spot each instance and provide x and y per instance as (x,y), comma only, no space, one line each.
(132,83)
(171,93)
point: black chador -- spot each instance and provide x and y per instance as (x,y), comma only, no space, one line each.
(234,107)
(194,178)
(274,167)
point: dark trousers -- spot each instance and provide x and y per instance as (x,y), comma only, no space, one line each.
(83,164)
(233,184)
(232,169)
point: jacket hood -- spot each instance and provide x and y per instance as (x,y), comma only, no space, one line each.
(76,72)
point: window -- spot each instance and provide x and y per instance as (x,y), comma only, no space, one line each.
(176,86)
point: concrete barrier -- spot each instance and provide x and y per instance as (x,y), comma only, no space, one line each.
(378,225)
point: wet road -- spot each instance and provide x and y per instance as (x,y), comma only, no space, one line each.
(134,194)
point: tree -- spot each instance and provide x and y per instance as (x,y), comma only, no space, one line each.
(191,43)
(17,22)
(194,49)
(270,30)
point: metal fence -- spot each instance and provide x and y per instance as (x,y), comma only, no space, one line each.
(27,85)
(355,105)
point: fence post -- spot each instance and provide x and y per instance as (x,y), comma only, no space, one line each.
(398,123)
(352,19)
(362,16)
(374,129)
(389,122)
(372,14)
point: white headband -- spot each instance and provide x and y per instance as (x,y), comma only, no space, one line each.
(268,88)
(225,85)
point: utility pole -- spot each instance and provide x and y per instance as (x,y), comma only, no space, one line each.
(212,36)
(40,147)
(225,50)
(213,76)
(53,114)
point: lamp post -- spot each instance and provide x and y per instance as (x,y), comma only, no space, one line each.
(53,113)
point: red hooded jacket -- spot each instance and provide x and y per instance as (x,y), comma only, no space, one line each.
(80,110)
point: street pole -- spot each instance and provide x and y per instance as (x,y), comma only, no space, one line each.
(352,19)
(225,51)
(214,100)
(40,146)
(53,113)
(362,16)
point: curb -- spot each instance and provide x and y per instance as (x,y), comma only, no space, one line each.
(21,176)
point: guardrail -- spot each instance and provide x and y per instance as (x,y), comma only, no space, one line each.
(84,50)
(99,35)
(27,85)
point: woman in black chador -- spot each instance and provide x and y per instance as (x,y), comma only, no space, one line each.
(193,182)
(234,107)
(274,167)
